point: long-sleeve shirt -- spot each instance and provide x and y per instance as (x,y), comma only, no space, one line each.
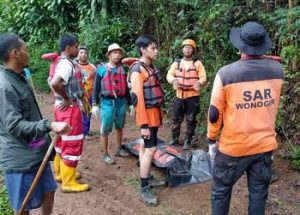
(246,96)
(20,123)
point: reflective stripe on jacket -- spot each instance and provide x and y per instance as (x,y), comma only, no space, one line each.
(71,144)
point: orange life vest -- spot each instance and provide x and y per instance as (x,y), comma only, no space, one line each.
(187,77)
(153,92)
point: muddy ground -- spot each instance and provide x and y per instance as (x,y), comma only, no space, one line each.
(115,188)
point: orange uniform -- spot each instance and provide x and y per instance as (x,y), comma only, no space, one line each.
(244,105)
(187,72)
(145,116)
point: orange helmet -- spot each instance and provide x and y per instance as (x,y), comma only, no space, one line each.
(189,42)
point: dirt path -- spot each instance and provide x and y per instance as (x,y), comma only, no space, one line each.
(115,188)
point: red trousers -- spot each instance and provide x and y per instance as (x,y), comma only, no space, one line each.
(70,145)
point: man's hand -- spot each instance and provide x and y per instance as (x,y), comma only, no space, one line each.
(212,148)
(175,84)
(65,104)
(197,86)
(95,112)
(145,132)
(60,127)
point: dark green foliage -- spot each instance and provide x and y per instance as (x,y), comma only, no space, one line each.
(38,66)
(295,158)
(5,208)
(99,35)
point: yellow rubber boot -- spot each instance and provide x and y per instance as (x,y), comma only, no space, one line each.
(69,184)
(77,175)
(56,167)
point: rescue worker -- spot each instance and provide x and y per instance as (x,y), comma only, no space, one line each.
(187,77)
(111,91)
(68,92)
(88,71)
(24,138)
(147,97)
(244,104)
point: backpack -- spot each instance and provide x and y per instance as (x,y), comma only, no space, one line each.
(54,58)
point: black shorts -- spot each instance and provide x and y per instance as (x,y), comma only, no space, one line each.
(152,142)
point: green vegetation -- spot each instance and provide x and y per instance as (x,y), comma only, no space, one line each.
(295,158)
(5,208)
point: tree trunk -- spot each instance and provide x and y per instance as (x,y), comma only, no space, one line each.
(293,63)
(104,7)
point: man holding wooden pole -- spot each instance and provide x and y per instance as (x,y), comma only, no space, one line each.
(24,138)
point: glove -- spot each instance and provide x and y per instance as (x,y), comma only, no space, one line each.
(212,148)
(197,86)
(95,112)
(131,110)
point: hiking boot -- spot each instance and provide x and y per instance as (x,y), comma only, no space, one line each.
(122,152)
(108,160)
(173,142)
(147,196)
(154,182)
(187,145)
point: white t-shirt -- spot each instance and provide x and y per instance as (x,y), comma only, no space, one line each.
(64,69)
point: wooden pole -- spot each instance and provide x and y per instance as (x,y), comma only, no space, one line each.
(38,176)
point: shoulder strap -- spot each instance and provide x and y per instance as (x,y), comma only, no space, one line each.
(139,63)
(178,61)
(194,61)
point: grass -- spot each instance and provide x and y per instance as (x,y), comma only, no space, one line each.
(5,208)
(133,181)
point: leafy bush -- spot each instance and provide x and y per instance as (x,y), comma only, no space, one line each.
(99,35)
(38,66)
(5,208)
(295,158)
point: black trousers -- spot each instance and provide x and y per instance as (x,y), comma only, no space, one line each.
(188,108)
(227,170)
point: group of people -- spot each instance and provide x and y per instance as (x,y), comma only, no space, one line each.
(241,116)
